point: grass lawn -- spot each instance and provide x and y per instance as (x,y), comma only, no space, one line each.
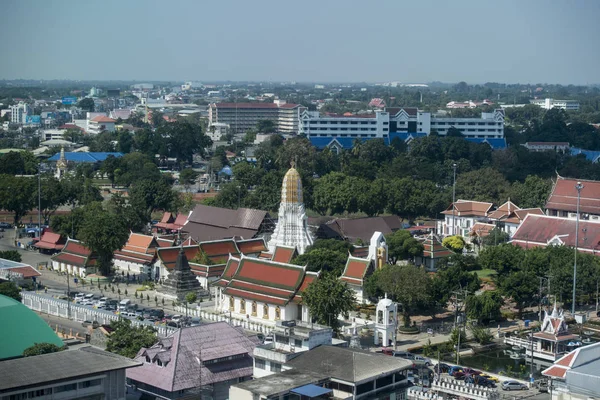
(485,273)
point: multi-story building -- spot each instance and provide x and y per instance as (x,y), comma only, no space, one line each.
(19,113)
(100,124)
(562,201)
(244,116)
(401,122)
(548,104)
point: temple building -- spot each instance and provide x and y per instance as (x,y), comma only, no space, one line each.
(61,165)
(292,227)
(263,291)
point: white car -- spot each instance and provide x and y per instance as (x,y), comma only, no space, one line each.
(177,319)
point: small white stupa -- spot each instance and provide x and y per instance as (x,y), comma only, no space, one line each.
(292,227)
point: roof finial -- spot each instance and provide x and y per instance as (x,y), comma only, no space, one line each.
(294,161)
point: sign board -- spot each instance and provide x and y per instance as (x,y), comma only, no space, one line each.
(69,100)
(33,119)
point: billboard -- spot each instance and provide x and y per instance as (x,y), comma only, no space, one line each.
(69,100)
(33,119)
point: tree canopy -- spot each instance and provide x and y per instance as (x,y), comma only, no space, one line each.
(42,348)
(127,340)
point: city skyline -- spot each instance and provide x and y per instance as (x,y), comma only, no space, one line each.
(351,41)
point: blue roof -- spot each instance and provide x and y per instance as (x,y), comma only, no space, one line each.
(311,390)
(85,156)
(495,144)
(347,142)
(226,170)
(591,155)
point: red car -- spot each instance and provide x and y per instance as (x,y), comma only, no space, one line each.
(387,351)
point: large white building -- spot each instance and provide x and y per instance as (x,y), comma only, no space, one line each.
(244,116)
(548,104)
(19,113)
(404,120)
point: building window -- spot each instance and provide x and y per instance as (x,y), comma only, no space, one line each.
(242,306)
(297,343)
(260,364)
(275,367)
(277,313)
(266,311)
(87,384)
(254,309)
(231,303)
(65,388)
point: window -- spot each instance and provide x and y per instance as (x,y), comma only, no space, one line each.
(297,343)
(242,306)
(266,311)
(87,384)
(277,313)
(254,306)
(260,364)
(65,388)
(231,303)
(275,367)
(282,339)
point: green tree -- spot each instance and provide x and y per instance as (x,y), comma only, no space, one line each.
(328,255)
(10,289)
(521,287)
(187,177)
(18,163)
(408,285)
(17,195)
(481,335)
(147,196)
(265,126)
(504,258)
(495,237)
(86,104)
(42,348)
(52,196)
(191,298)
(103,232)
(12,255)
(485,307)
(532,193)
(184,139)
(127,340)
(327,298)
(455,243)
(402,246)
(486,184)
(452,277)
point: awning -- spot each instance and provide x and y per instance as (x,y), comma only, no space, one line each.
(311,390)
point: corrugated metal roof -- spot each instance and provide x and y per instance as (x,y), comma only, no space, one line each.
(91,157)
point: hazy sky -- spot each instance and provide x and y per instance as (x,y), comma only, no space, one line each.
(527,41)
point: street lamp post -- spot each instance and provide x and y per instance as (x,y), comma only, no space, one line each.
(453,200)
(39,201)
(578,186)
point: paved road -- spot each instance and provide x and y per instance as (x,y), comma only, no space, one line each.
(67,324)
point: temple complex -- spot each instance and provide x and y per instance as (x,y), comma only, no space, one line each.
(292,227)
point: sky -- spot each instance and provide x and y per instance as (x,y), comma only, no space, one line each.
(476,41)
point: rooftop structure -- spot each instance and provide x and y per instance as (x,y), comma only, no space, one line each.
(562,201)
(355,272)
(460,217)
(275,386)
(292,227)
(87,372)
(138,255)
(50,242)
(433,251)
(212,223)
(85,157)
(210,356)
(170,222)
(17,271)
(21,328)
(576,376)
(542,231)
(353,229)
(76,259)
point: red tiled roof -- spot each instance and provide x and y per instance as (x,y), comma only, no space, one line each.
(555,371)
(283,254)
(139,242)
(50,241)
(280,275)
(251,246)
(167,218)
(102,118)
(540,229)
(261,289)
(432,248)
(168,255)
(564,196)
(355,270)
(164,242)
(26,271)
(70,259)
(75,247)
(481,229)
(467,207)
(309,278)
(254,296)
(207,271)
(75,253)
(219,250)
(504,210)
(566,360)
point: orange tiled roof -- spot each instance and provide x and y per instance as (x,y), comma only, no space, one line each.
(468,207)
(355,270)
(284,254)
(252,246)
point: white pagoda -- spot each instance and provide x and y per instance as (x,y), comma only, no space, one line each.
(292,227)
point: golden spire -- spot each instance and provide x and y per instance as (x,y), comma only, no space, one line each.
(291,189)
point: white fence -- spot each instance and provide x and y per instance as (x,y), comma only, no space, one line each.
(465,390)
(49,305)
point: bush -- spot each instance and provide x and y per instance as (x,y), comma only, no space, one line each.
(481,334)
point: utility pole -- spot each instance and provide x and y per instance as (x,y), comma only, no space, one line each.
(457,325)
(454,200)
(578,187)
(39,201)
(68,296)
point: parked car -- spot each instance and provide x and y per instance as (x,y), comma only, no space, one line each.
(542,386)
(5,225)
(195,321)
(159,314)
(490,378)
(455,369)
(513,385)
(471,371)
(387,351)
(403,354)
(176,318)
(422,360)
